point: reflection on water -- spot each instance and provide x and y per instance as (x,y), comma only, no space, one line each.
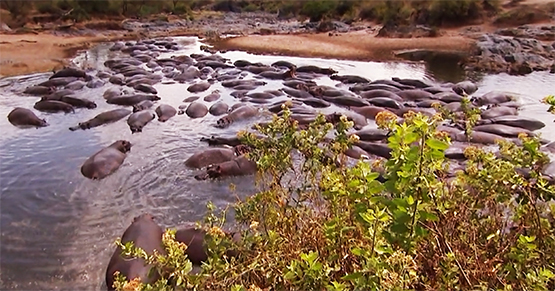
(57,227)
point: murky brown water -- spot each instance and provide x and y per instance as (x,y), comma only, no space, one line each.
(58,228)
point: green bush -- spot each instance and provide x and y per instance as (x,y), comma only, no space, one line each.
(317,224)
(316,10)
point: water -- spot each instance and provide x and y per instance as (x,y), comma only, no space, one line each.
(58,228)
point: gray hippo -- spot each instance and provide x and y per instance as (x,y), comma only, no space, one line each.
(239,166)
(241,113)
(515,121)
(71,72)
(165,112)
(143,105)
(24,117)
(145,234)
(196,110)
(214,156)
(199,87)
(53,106)
(103,118)
(131,100)
(218,108)
(106,161)
(39,90)
(138,120)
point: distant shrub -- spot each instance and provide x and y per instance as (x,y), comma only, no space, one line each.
(460,11)
(316,10)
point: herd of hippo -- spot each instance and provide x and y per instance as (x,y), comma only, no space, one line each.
(356,97)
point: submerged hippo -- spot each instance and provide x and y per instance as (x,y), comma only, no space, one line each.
(131,100)
(196,110)
(106,161)
(143,105)
(103,118)
(199,87)
(138,120)
(209,157)
(241,113)
(24,117)
(218,108)
(145,234)
(39,90)
(165,112)
(71,72)
(515,121)
(239,166)
(53,106)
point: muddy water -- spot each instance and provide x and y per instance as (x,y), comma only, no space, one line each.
(57,227)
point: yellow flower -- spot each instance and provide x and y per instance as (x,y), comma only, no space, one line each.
(216,231)
(253,225)
(133,285)
(253,287)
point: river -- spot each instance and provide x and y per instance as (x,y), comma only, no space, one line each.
(58,228)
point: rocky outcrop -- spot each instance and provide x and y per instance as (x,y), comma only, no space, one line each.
(543,32)
(514,55)
(406,31)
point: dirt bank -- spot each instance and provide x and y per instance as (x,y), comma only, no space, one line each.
(358,45)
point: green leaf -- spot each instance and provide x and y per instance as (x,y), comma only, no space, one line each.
(372,176)
(357,251)
(428,216)
(352,276)
(411,137)
(420,231)
(437,144)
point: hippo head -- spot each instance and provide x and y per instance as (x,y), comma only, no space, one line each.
(333,118)
(147,216)
(136,108)
(214,171)
(291,73)
(122,145)
(87,77)
(51,89)
(223,122)
(91,105)
(136,128)
(84,125)
(155,98)
(476,100)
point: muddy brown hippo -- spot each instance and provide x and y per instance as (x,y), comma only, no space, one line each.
(75,85)
(57,82)
(386,102)
(53,106)
(284,64)
(131,100)
(143,105)
(145,88)
(314,102)
(369,112)
(415,95)
(477,137)
(237,82)
(215,95)
(381,93)
(515,121)
(218,108)
(498,111)
(502,130)
(199,87)
(372,134)
(39,90)
(195,239)
(106,161)
(356,153)
(241,113)
(347,101)
(138,120)
(24,117)
(196,110)
(75,102)
(465,88)
(213,156)
(103,118)
(315,69)
(278,75)
(191,98)
(112,92)
(165,112)
(349,79)
(378,149)
(220,140)
(145,234)
(71,72)
(493,97)
(239,166)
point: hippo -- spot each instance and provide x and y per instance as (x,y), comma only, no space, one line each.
(131,100)
(284,64)
(53,106)
(215,95)
(314,102)
(516,121)
(191,99)
(381,93)
(165,112)
(259,69)
(112,92)
(195,239)
(57,82)
(358,119)
(116,79)
(368,87)
(218,108)
(209,157)
(429,103)
(349,79)
(277,75)
(103,75)
(71,72)
(145,234)
(347,101)
(415,95)
(378,149)
(315,69)
(106,161)
(372,134)
(386,102)
(241,113)
(196,110)
(447,97)
(39,90)
(370,111)
(261,95)
(76,102)
(143,105)
(477,137)
(296,93)
(239,166)
(245,63)
(503,130)
(138,120)
(498,111)
(199,87)
(412,82)
(24,117)
(465,88)
(296,83)
(356,153)
(237,82)
(455,151)
(492,98)
(145,88)
(394,84)
(76,85)
(96,83)
(103,118)
(219,140)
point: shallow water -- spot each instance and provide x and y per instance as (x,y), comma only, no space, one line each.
(58,228)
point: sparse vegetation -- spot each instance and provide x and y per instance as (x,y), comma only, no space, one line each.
(318,224)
